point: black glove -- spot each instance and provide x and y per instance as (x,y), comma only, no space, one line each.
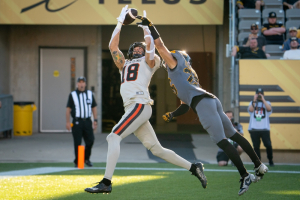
(168,117)
(147,22)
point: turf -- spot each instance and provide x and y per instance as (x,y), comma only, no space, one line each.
(136,184)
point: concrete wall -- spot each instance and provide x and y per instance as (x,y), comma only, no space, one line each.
(24,56)
(4,59)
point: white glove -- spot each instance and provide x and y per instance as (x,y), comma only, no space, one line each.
(123,13)
(144,27)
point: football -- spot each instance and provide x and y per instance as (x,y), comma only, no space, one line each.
(130,16)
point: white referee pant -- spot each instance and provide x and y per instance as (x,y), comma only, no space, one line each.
(136,120)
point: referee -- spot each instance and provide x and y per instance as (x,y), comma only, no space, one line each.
(81,104)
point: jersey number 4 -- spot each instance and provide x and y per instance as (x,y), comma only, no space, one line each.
(132,72)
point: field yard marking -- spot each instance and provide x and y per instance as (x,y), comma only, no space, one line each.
(47,170)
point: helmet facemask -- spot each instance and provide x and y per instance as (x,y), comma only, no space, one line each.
(131,48)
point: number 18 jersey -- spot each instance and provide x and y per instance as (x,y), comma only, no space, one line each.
(135,79)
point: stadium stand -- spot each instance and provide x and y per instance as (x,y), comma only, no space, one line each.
(250,15)
(277,4)
(274,50)
(292,14)
(244,26)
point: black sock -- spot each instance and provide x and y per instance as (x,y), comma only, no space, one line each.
(233,155)
(106,181)
(193,168)
(246,146)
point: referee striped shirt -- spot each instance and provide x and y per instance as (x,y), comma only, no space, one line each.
(81,104)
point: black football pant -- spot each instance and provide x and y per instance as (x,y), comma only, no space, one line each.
(265,137)
(83,129)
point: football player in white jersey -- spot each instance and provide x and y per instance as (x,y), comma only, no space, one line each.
(136,73)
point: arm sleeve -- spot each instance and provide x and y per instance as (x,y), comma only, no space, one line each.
(94,104)
(70,103)
(182,109)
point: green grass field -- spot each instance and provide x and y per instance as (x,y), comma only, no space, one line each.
(146,184)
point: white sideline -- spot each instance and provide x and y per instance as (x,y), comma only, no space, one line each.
(47,170)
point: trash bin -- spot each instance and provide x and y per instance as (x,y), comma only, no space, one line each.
(23,118)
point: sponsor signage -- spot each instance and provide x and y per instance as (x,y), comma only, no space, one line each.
(105,12)
(280,80)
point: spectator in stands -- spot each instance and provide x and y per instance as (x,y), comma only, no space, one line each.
(222,158)
(273,31)
(261,40)
(290,4)
(293,33)
(294,52)
(298,32)
(257,4)
(251,52)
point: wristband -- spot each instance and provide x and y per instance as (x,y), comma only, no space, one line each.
(119,25)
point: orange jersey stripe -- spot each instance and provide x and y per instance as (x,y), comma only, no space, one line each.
(128,120)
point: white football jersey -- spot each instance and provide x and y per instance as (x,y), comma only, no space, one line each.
(135,79)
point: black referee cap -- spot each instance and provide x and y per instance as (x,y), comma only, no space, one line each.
(81,78)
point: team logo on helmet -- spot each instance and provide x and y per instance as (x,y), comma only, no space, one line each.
(131,48)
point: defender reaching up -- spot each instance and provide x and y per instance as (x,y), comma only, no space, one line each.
(185,84)
(136,73)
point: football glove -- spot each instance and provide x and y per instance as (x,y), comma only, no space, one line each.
(123,13)
(168,117)
(144,26)
(145,20)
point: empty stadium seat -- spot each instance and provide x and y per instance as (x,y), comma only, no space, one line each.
(292,14)
(274,50)
(250,15)
(277,4)
(244,26)
(275,57)
(279,13)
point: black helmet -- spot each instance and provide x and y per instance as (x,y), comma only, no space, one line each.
(132,46)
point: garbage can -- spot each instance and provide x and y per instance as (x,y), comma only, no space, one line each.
(23,118)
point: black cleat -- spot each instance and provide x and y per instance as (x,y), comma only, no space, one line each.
(100,188)
(88,163)
(199,174)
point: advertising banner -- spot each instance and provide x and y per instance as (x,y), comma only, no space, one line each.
(280,80)
(105,12)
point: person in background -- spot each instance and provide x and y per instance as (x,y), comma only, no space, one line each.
(294,52)
(257,4)
(290,4)
(251,52)
(222,158)
(293,33)
(273,31)
(259,124)
(261,40)
(81,104)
